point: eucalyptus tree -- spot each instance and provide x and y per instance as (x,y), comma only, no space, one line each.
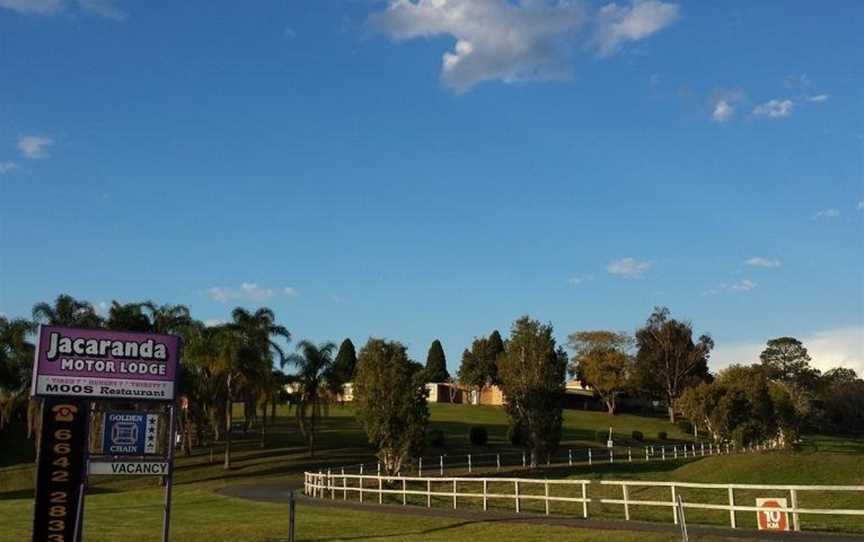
(314,364)
(66,311)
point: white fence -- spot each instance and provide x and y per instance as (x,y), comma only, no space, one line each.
(341,485)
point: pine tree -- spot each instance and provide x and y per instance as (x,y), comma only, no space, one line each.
(436,363)
(346,361)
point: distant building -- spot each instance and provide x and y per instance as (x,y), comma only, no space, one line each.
(444,392)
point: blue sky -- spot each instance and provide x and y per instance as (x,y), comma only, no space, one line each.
(437,168)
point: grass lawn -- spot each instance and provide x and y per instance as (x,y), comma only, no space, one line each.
(129,509)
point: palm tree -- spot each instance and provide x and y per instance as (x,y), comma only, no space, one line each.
(66,311)
(16,367)
(129,317)
(314,364)
(168,319)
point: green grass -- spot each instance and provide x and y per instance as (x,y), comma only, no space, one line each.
(128,509)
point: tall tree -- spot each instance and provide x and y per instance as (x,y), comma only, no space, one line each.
(66,311)
(314,364)
(346,361)
(602,359)
(436,363)
(668,360)
(390,402)
(479,365)
(532,377)
(787,363)
(129,317)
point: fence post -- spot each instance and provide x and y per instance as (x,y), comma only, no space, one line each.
(319,490)
(793,497)
(291,515)
(629,455)
(546,494)
(570,457)
(684,536)
(646,454)
(497,462)
(361,483)
(516,494)
(404,492)
(484,494)
(589,456)
(454,493)
(428,493)
(732,507)
(584,501)
(675,451)
(624,492)
(702,448)
(663,450)
(611,454)
(344,486)
(469,463)
(420,467)
(441,465)
(674,503)
(523,459)
(380,491)
(331,485)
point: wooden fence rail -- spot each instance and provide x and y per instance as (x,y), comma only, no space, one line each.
(329,484)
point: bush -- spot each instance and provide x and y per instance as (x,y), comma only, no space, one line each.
(662,435)
(685,426)
(436,438)
(638,436)
(601,436)
(478,435)
(516,435)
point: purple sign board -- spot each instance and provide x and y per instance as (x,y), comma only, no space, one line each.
(98,363)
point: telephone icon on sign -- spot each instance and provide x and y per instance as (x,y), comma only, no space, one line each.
(64,413)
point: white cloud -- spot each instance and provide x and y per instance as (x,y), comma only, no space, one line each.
(7,167)
(617,25)
(774,109)
(213,322)
(763,262)
(629,268)
(839,347)
(818,98)
(723,111)
(518,40)
(826,213)
(103,8)
(861,205)
(576,281)
(101,308)
(743,285)
(34,147)
(248,291)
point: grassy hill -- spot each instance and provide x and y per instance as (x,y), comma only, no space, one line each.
(199,512)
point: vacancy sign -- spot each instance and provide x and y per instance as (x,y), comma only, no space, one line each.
(98,363)
(135,468)
(770,519)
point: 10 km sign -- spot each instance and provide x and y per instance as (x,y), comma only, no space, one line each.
(770,519)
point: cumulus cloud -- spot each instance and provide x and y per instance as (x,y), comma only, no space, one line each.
(723,111)
(838,347)
(826,213)
(629,268)
(34,147)
(763,262)
(617,25)
(517,40)
(213,322)
(774,109)
(248,291)
(7,167)
(102,8)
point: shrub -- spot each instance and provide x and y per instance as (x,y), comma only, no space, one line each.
(662,435)
(685,426)
(436,438)
(478,435)
(638,436)
(516,435)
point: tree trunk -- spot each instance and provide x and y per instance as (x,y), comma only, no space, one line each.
(610,406)
(671,413)
(228,427)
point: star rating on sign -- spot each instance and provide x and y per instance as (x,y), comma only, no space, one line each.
(151,433)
